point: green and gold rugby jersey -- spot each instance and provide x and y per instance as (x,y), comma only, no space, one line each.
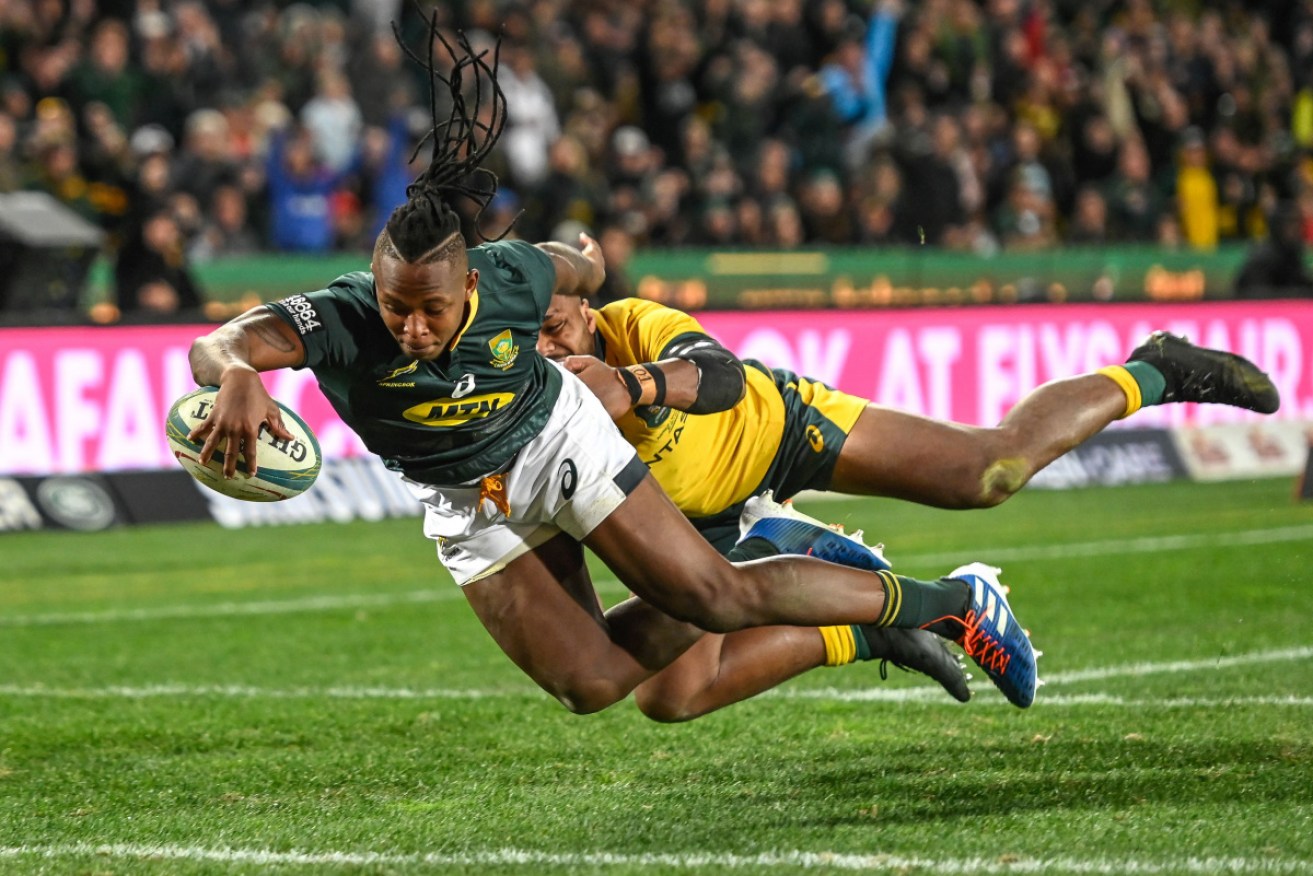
(705,462)
(449,421)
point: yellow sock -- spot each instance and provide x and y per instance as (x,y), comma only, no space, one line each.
(840,646)
(1128,384)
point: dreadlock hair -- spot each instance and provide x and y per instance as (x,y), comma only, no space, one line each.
(427,227)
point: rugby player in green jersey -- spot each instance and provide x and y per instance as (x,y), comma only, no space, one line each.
(718,433)
(430,357)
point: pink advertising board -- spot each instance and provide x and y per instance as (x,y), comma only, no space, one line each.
(972,364)
(95,399)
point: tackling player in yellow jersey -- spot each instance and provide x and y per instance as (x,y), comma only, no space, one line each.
(716,431)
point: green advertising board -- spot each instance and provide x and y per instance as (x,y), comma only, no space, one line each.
(920,277)
(700,279)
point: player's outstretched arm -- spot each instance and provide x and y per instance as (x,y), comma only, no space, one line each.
(622,389)
(256,340)
(231,357)
(679,365)
(577,272)
(697,375)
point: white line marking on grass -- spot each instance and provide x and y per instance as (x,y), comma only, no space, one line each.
(1133,670)
(239,691)
(926,695)
(990,697)
(608,585)
(1138,669)
(905,696)
(898,695)
(1117,547)
(234,609)
(794,860)
(1175,702)
(301,605)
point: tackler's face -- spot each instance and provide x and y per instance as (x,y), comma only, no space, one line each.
(424,305)
(567,329)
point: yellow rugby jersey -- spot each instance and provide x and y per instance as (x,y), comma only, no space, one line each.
(705,462)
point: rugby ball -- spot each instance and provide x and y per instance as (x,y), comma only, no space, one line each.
(287,468)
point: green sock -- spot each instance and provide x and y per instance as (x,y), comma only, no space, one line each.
(759,548)
(859,641)
(1150,380)
(909,603)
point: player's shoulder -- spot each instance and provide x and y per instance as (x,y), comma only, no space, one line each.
(639,312)
(630,309)
(354,285)
(349,293)
(354,288)
(515,259)
(356,280)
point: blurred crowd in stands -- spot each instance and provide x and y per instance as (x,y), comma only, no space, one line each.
(193,130)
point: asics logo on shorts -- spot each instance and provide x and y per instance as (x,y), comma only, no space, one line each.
(569,479)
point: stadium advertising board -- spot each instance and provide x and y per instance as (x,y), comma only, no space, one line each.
(1114,457)
(694,278)
(860,277)
(1228,451)
(95,399)
(973,364)
(359,488)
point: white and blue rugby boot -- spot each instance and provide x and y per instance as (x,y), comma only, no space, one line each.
(992,637)
(790,531)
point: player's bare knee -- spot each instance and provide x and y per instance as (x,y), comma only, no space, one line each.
(581,702)
(662,708)
(991,473)
(1001,479)
(961,481)
(585,695)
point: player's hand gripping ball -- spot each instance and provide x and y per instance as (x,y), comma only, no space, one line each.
(286,468)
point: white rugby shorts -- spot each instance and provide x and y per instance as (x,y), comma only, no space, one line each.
(569,478)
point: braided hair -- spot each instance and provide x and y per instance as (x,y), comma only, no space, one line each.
(427,227)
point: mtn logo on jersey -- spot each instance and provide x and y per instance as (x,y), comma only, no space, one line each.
(457,411)
(504,351)
(390,379)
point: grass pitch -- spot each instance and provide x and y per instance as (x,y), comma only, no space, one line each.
(319,699)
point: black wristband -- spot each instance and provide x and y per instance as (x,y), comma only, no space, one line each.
(631,384)
(659,379)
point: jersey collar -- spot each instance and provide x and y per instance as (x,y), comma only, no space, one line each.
(474,308)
